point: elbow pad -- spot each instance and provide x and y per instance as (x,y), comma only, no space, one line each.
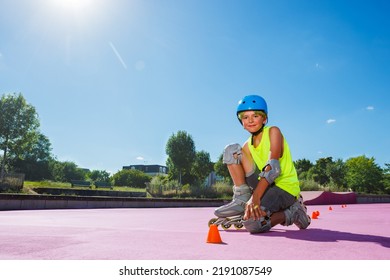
(273,173)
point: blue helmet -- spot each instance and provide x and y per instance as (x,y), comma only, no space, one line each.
(252,103)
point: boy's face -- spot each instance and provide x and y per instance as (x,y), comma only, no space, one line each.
(252,121)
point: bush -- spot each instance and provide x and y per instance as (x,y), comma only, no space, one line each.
(12,183)
(160,186)
(223,190)
(309,185)
(131,178)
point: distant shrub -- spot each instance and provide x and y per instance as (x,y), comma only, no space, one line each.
(309,185)
(223,190)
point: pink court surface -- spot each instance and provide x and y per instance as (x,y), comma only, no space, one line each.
(354,232)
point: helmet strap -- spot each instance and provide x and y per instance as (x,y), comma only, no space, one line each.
(256,133)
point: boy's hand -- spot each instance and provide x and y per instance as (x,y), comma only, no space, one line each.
(252,208)
(254,211)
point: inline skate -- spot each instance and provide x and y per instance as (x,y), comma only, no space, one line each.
(232,213)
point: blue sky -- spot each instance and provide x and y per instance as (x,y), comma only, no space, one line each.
(112,80)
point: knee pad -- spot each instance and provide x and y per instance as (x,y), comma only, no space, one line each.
(232,154)
(259,226)
(272,174)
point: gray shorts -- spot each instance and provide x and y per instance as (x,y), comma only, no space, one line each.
(274,199)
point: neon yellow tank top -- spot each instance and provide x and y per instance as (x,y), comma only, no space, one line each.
(288,178)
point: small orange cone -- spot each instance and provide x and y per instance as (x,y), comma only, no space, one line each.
(213,236)
(330,208)
(314,215)
(318,213)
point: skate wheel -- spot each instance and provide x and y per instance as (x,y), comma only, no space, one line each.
(212,221)
(239,226)
(226,224)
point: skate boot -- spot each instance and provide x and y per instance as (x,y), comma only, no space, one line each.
(231,213)
(297,214)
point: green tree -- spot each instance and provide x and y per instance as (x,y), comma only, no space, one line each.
(336,171)
(18,122)
(131,177)
(303,166)
(172,169)
(202,166)
(364,175)
(319,171)
(180,149)
(386,178)
(221,169)
(33,159)
(99,175)
(66,171)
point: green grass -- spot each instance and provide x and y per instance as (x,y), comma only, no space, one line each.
(46,184)
(61,185)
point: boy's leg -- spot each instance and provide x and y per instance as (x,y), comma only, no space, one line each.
(297,214)
(241,195)
(237,163)
(273,201)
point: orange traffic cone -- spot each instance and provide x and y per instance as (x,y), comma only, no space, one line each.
(330,208)
(318,213)
(314,215)
(213,236)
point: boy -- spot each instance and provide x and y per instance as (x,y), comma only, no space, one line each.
(264,165)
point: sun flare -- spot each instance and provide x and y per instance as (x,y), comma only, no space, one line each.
(74,6)
(77,10)
(74,15)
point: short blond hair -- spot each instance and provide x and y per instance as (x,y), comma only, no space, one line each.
(262,113)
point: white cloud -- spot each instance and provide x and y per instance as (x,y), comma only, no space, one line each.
(140,158)
(370,108)
(331,121)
